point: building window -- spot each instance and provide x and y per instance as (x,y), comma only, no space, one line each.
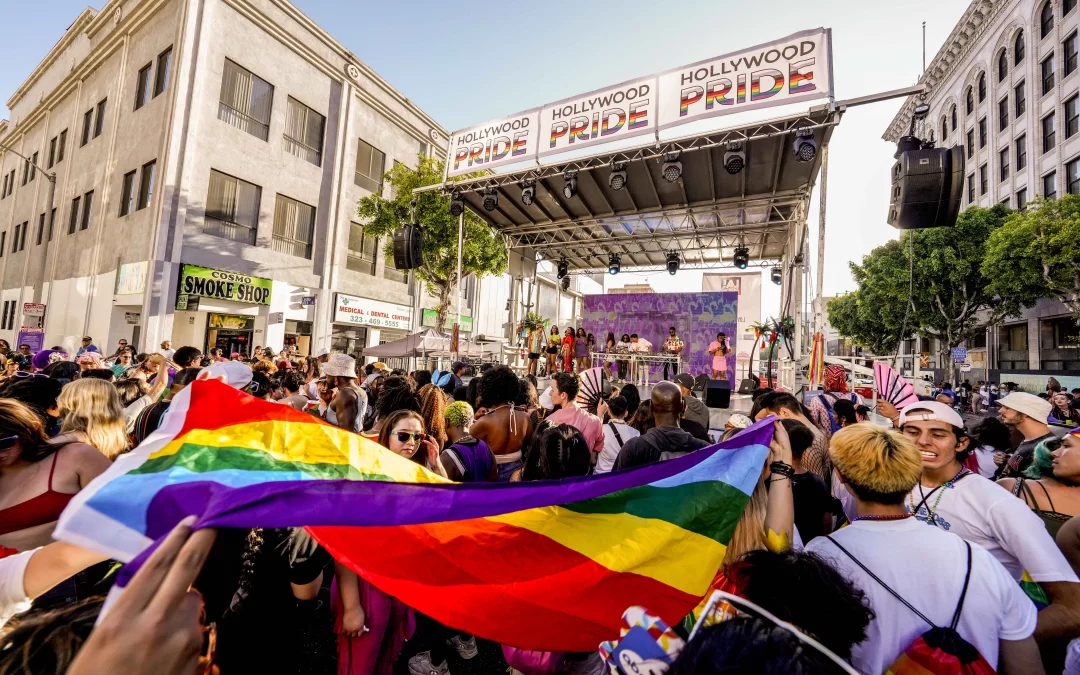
(1020,101)
(362,250)
(1021,152)
(1070,46)
(52,219)
(7,303)
(3,243)
(952,116)
(1005,202)
(40,230)
(294,227)
(1064,333)
(161,76)
(33,166)
(1003,164)
(1072,116)
(3,190)
(392,273)
(87,208)
(146,185)
(142,86)
(970,143)
(1003,65)
(970,101)
(127,193)
(245,100)
(1048,75)
(1021,199)
(1003,114)
(22,238)
(971,188)
(984,180)
(1046,20)
(25,171)
(1072,177)
(73,223)
(304,132)
(87,125)
(982,87)
(1049,134)
(982,133)
(1067,6)
(15,239)
(1049,185)
(370,165)
(99,121)
(61,143)
(944,128)
(232,208)
(1018,48)
(52,153)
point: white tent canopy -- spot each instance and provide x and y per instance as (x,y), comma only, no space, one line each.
(426,343)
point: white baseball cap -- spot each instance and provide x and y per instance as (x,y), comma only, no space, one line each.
(931,410)
(1029,404)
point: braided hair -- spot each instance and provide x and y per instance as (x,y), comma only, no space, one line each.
(559,451)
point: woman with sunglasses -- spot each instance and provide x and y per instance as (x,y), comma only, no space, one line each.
(11,366)
(403,433)
(37,477)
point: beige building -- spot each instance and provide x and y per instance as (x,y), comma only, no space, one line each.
(208,157)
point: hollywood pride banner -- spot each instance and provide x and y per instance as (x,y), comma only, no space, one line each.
(795,68)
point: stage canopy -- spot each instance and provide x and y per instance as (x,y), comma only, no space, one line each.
(703,216)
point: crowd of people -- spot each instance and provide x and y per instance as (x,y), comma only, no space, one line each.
(867,540)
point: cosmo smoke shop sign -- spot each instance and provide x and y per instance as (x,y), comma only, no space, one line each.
(221,285)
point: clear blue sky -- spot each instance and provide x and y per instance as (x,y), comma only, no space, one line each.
(467,62)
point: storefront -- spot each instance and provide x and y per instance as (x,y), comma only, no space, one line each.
(361,322)
(221,309)
(298,334)
(233,334)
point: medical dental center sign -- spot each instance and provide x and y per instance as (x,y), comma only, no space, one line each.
(795,68)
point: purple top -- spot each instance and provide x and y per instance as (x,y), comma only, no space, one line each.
(581,348)
(473,458)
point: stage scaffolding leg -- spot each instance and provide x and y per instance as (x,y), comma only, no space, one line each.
(819,307)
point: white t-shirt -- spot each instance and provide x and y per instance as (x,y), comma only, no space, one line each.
(167,353)
(926,567)
(986,514)
(612,445)
(985,455)
(13,597)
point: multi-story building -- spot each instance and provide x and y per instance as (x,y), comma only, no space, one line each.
(208,157)
(1005,86)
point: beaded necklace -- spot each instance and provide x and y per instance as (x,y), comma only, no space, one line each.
(893,517)
(930,510)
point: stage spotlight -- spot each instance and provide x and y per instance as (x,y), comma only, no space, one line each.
(617,179)
(457,205)
(528,193)
(672,263)
(565,283)
(777,276)
(563,269)
(614,264)
(742,257)
(491,199)
(672,169)
(734,158)
(569,184)
(805,146)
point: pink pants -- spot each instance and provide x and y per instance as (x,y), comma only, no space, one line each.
(390,623)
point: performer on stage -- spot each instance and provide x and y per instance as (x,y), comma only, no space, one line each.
(719,350)
(639,344)
(672,346)
(552,350)
(609,347)
(581,350)
(568,350)
(534,344)
(623,348)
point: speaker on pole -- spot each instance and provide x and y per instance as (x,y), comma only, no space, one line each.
(927,187)
(408,251)
(717,394)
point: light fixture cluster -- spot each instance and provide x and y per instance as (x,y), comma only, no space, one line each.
(614,264)
(742,257)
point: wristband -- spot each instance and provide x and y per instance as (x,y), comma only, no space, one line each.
(782,469)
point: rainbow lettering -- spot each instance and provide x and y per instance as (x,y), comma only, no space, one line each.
(518,146)
(638,112)
(688,96)
(756,94)
(500,147)
(800,83)
(579,129)
(606,128)
(558,130)
(740,90)
(716,93)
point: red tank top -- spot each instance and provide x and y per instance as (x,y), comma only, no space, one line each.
(44,508)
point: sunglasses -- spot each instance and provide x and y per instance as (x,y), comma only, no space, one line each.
(24,374)
(8,441)
(406,436)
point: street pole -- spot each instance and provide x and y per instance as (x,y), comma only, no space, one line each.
(819,303)
(460,235)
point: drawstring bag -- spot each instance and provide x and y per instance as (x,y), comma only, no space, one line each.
(940,651)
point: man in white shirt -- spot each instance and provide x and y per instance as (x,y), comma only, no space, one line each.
(639,344)
(166,349)
(953,499)
(616,432)
(925,566)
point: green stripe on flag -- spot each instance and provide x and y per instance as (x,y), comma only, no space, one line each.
(206,458)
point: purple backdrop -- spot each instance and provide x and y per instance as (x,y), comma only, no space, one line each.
(697,317)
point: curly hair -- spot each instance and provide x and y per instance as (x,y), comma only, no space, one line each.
(750,645)
(47,642)
(433,410)
(396,398)
(458,414)
(498,386)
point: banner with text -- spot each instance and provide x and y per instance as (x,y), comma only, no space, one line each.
(795,68)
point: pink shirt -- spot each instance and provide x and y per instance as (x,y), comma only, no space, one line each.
(588,424)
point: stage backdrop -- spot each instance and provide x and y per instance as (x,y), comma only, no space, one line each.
(698,317)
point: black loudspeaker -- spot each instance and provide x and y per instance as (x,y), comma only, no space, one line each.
(747,386)
(717,394)
(408,251)
(927,187)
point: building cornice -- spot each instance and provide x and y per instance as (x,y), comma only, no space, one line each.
(966,36)
(73,31)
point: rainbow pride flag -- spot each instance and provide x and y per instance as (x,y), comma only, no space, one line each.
(542,565)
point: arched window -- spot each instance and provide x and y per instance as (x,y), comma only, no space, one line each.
(970,101)
(1018,49)
(944,128)
(952,117)
(1046,20)
(1003,65)
(982,87)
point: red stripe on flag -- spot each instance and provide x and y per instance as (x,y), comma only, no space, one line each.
(218,405)
(501,582)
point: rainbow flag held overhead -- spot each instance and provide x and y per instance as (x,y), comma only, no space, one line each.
(543,565)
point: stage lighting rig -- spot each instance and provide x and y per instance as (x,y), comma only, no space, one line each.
(491,199)
(565,283)
(617,179)
(742,257)
(457,205)
(614,264)
(569,184)
(562,269)
(805,145)
(528,192)
(777,276)
(672,169)
(734,158)
(672,263)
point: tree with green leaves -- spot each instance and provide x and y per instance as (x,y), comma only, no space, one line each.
(483,251)
(1036,253)
(856,318)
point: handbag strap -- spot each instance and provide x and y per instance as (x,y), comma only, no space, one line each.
(615,431)
(885,585)
(963,593)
